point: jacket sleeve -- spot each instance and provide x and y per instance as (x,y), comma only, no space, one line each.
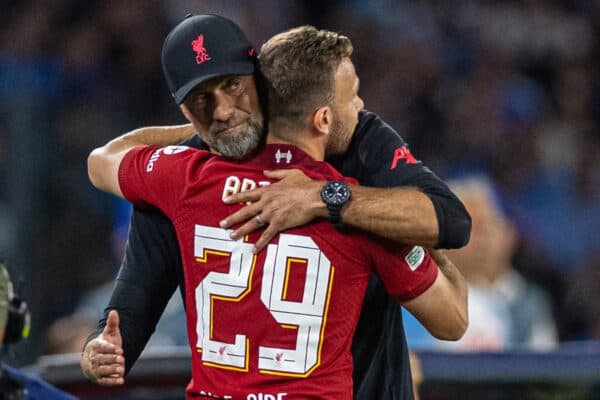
(378,156)
(148,276)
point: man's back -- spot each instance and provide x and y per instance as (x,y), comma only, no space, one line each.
(286,314)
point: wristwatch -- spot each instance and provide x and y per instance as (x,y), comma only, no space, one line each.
(335,194)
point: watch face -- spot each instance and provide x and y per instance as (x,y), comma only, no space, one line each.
(336,193)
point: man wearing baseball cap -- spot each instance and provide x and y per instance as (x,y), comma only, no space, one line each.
(376,155)
(205,48)
(187,62)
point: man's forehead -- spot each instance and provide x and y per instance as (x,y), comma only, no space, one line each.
(346,76)
(216,82)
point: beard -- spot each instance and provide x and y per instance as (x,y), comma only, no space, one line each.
(240,145)
(340,137)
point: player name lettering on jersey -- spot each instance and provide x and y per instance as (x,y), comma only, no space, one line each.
(235,184)
(251,396)
(266,396)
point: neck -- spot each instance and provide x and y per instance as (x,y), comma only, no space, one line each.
(310,145)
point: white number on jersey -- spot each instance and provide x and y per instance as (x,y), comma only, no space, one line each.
(306,316)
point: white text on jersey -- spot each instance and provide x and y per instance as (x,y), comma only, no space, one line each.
(234,184)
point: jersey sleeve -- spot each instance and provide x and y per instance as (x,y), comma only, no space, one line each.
(406,271)
(379,157)
(157,176)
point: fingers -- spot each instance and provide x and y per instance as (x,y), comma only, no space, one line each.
(250,196)
(110,381)
(103,363)
(100,346)
(291,201)
(270,231)
(243,215)
(291,177)
(108,374)
(265,238)
(113,370)
(258,220)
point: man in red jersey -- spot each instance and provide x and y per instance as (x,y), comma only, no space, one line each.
(402,201)
(278,323)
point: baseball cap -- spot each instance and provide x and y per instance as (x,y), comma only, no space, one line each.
(202,47)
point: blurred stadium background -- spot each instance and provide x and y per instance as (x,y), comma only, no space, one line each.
(507,89)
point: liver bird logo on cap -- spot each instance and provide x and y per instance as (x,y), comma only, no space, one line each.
(198,47)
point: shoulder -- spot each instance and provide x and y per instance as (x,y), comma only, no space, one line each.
(195,142)
(151,158)
(377,155)
(373,128)
(375,142)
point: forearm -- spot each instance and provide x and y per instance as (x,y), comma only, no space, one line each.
(442,309)
(457,282)
(455,307)
(103,162)
(405,215)
(152,135)
(138,320)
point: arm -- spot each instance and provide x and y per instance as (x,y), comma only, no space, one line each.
(425,282)
(442,309)
(406,201)
(379,157)
(148,277)
(149,274)
(295,200)
(404,215)
(104,161)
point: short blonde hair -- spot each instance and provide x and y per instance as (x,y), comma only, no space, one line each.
(299,66)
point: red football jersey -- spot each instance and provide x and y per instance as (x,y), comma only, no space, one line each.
(276,325)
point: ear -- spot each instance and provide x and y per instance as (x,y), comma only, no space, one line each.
(323,119)
(186,113)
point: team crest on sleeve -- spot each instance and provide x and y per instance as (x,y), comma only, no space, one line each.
(415,257)
(170,150)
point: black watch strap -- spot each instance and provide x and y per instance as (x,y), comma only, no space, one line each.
(335,217)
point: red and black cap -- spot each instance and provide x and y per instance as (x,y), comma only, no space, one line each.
(202,47)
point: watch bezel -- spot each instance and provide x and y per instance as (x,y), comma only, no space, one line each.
(335,193)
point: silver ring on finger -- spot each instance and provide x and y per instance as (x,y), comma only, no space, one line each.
(258,220)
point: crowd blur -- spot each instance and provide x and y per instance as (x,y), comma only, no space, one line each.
(505,89)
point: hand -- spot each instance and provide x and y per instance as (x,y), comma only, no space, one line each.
(292,201)
(102,360)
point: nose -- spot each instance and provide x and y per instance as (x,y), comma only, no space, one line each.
(224,106)
(360,104)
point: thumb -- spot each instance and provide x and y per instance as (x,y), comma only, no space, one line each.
(111,331)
